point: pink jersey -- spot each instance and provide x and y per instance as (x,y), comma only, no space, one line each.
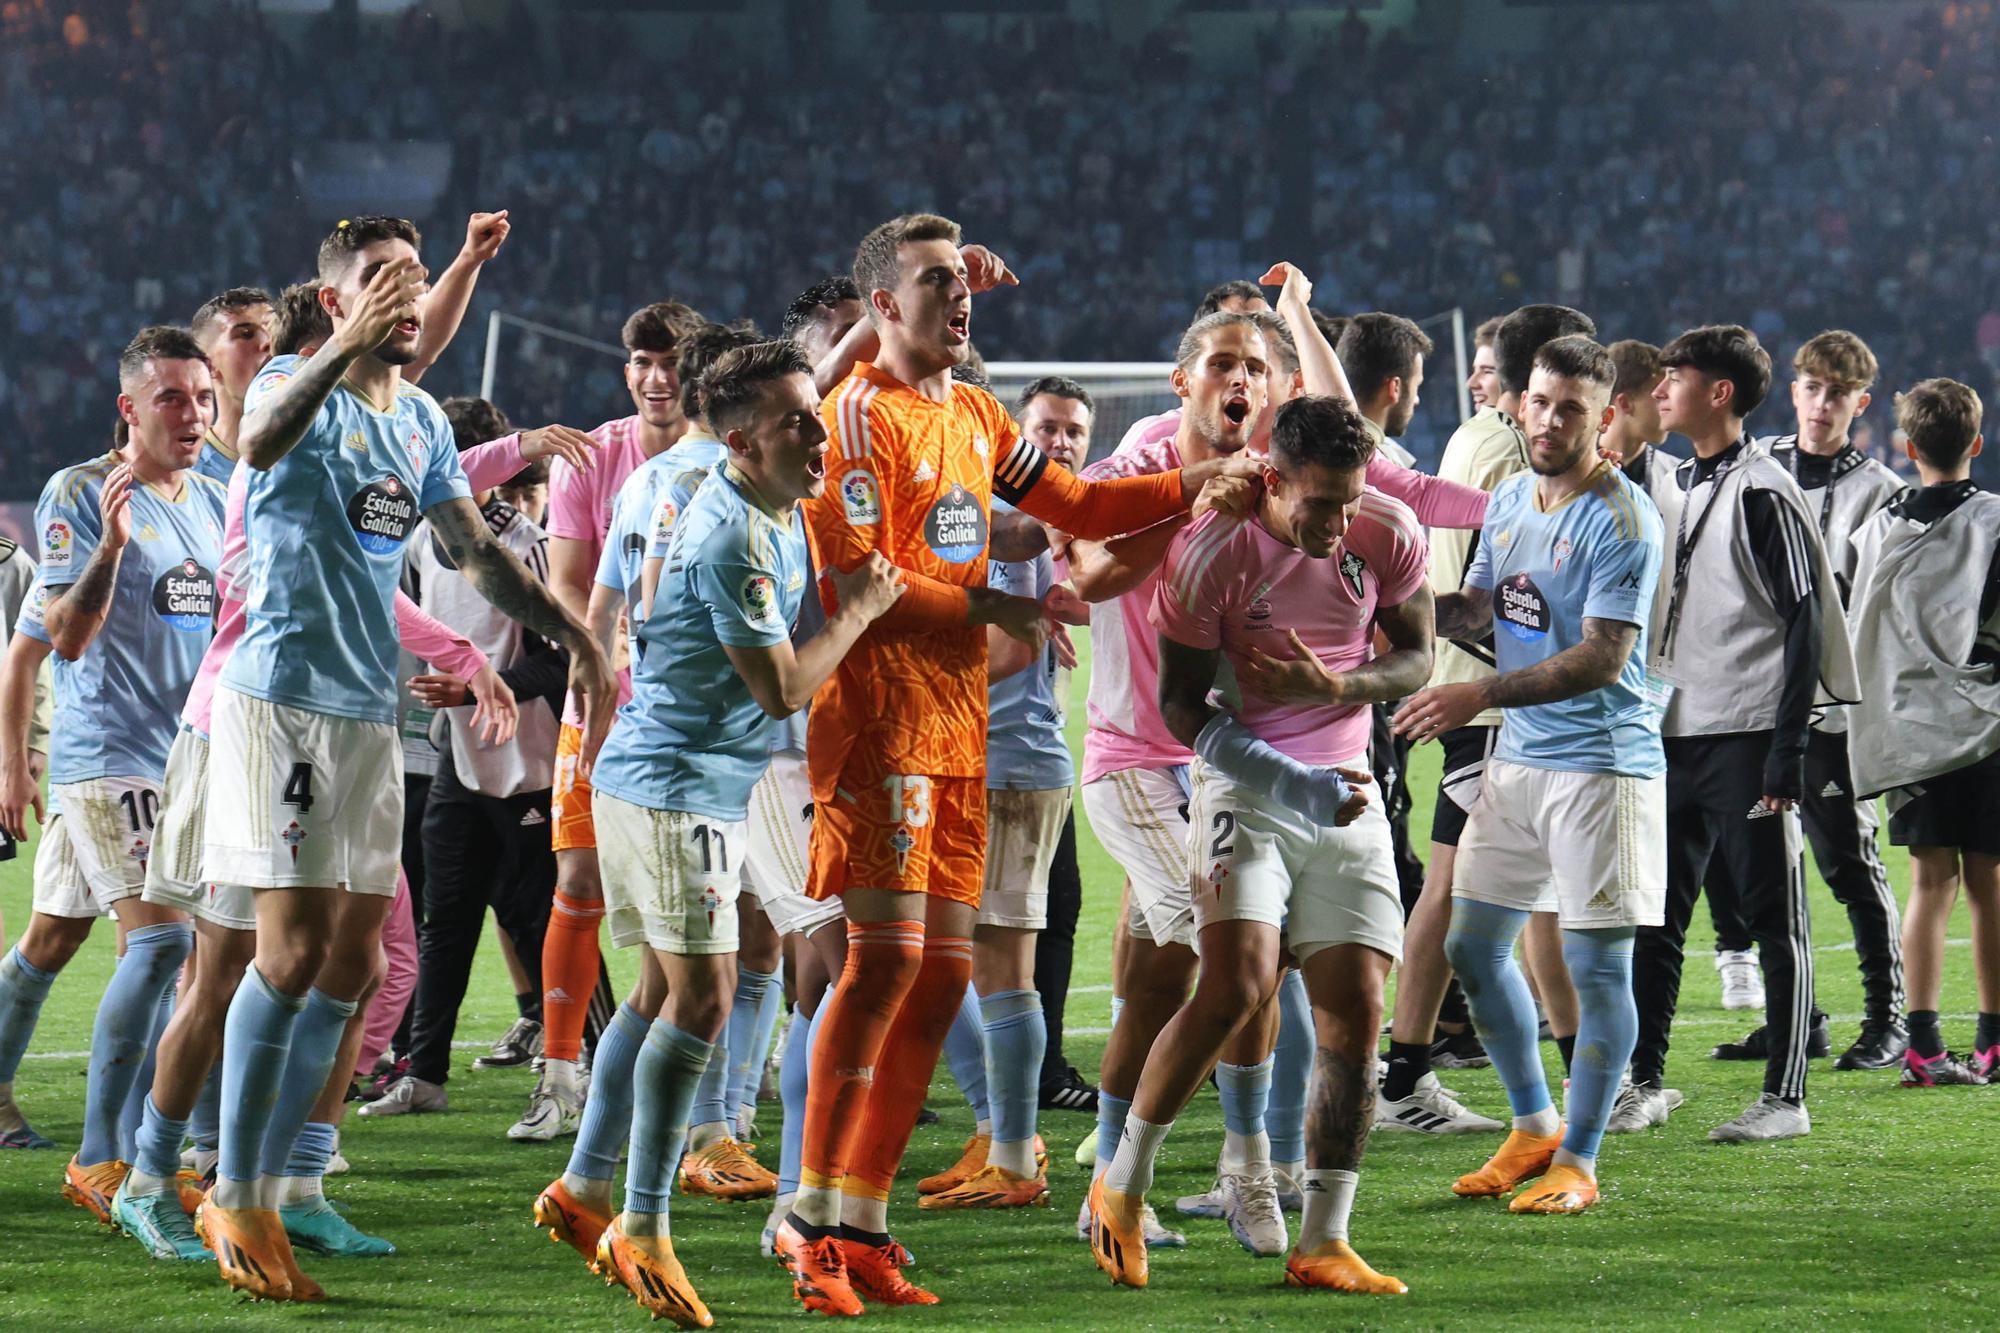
(423,635)
(580,505)
(1228,583)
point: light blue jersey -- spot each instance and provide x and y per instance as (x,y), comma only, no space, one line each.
(692,738)
(643,515)
(1597,555)
(326,528)
(214,463)
(1025,746)
(118,706)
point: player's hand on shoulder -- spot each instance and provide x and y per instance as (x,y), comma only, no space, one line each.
(1290,279)
(1233,496)
(870,588)
(985,270)
(1196,476)
(390,297)
(485,233)
(114,506)
(564,442)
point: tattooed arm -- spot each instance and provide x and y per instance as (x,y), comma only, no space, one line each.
(1466,614)
(75,614)
(1391,675)
(1590,665)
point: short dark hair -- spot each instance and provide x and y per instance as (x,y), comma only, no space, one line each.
(1838,357)
(1579,358)
(658,327)
(1242,289)
(302,320)
(732,385)
(816,301)
(1278,337)
(700,350)
(157,342)
(529,477)
(1378,347)
(1321,431)
(876,267)
(1331,327)
(474,422)
(222,304)
(1197,333)
(1522,334)
(1941,418)
(352,235)
(1725,352)
(1055,386)
(1487,332)
(1638,366)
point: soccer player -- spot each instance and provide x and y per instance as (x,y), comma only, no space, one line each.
(305,776)
(1239,296)
(1483,452)
(1282,838)
(1482,382)
(1574,794)
(1383,356)
(234,331)
(126,602)
(17,582)
(1844,488)
(1925,611)
(896,743)
(715,665)
(580,512)
(1750,646)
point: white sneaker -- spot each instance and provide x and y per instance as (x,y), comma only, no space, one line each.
(1641,1106)
(1291,1195)
(1742,979)
(746,1123)
(1250,1206)
(1208,1204)
(1430,1109)
(554,1111)
(1086,1152)
(337,1165)
(1158,1235)
(408,1095)
(1766,1118)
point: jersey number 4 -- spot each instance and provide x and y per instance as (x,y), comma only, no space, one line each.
(299,788)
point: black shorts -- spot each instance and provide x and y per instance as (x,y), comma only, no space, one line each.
(1466,751)
(1960,809)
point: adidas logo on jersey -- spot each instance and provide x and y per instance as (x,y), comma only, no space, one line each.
(924,472)
(1832,789)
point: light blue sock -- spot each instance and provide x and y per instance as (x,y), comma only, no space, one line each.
(23,987)
(745,1036)
(256,1042)
(1015,1040)
(156,1147)
(315,1044)
(135,1101)
(746,1066)
(664,1079)
(1600,964)
(1291,1071)
(122,1036)
(965,1052)
(312,1149)
(711,1099)
(1246,1092)
(1111,1113)
(793,1081)
(1480,946)
(607,1115)
(205,1125)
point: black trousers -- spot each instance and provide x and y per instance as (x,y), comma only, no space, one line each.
(1715,813)
(1841,832)
(480,851)
(1389,760)
(1055,947)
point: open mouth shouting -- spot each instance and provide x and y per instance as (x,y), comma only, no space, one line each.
(958,328)
(1236,409)
(816,464)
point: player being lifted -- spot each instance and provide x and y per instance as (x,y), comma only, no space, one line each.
(306,781)
(897,739)
(1285,849)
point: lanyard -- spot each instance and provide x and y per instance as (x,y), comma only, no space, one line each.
(1833,474)
(1684,544)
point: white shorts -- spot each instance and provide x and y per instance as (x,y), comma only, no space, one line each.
(1140,815)
(1022,830)
(1599,840)
(670,878)
(301,800)
(96,850)
(1255,860)
(774,866)
(174,875)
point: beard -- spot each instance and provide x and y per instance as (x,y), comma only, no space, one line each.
(1555,467)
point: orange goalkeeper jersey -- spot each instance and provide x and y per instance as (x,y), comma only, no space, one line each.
(914,479)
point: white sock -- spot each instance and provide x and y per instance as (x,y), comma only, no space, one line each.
(236,1193)
(1295,1170)
(643,1224)
(589,1191)
(139,1185)
(863,1213)
(984,1129)
(205,1160)
(559,1074)
(1541,1124)
(1329,1200)
(1245,1154)
(700,1136)
(271,1192)
(1132,1167)
(1587,1165)
(297,1189)
(818,1206)
(1018,1156)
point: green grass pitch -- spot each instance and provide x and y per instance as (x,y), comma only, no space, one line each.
(1884,1217)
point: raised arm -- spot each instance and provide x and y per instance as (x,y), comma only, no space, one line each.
(1318,362)
(444,308)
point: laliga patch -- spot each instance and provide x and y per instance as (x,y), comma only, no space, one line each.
(184,597)
(1523,611)
(760,600)
(861,498)
(383,514)
(664,517)
(58,545)
(956,526)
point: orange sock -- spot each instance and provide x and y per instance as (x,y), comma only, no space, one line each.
(883,963)
(569,973)
(909,1058)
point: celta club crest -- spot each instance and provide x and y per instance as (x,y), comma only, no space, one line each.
(141,851)
(292,837)
(1562,553)
(711,903)
(1351,566)
(1217,873)
(902,844)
